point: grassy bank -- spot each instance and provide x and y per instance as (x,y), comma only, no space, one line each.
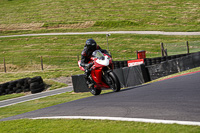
(40,103)
(91,126)
(17,17)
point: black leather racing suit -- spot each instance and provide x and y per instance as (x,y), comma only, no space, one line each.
(86,55)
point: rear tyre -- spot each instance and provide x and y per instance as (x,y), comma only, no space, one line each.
(115,85)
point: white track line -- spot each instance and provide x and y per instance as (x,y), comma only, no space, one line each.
(123,119)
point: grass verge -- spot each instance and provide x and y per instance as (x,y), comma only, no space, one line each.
(10,96)
(60,53)
(18,17)
(91,126)
(40,103)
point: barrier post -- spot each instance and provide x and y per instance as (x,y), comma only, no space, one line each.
(162,49)
(188,49)
(41,63)
(166,52)
(4,62)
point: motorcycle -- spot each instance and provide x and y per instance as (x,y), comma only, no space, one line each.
(101,75)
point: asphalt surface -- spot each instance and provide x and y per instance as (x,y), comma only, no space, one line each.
(109,32)
(172,99)
(12,101)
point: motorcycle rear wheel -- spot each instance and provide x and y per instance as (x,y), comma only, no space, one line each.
(115,84)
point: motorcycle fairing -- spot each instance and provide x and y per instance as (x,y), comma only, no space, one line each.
(97,77)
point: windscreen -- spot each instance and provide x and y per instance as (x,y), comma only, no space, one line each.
(97,53)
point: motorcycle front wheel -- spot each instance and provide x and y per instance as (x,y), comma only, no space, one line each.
(115,84)
(95,91)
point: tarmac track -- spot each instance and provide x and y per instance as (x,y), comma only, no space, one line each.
(172,99)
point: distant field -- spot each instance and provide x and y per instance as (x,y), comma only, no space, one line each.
(33,16)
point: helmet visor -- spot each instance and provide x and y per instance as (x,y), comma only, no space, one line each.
(92,46)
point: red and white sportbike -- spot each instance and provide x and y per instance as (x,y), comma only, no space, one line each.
(101,75)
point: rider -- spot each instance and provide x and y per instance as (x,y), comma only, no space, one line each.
(86,54)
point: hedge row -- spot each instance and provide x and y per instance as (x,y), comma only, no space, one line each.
(34,85)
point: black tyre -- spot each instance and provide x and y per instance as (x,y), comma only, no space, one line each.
(116,65)
(19,85)
(1,92)
(153,61)
(26,90)
(7,91)
(20,81)
(35,79)
(115,84)
(18,90)
(34,85)
(12,84)
(1,88)
(158,60)
(95,91)
(163,58)
(15,89)
(4,86)
(37,90)
(10,92)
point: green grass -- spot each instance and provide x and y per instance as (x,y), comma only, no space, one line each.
(91,126)
(10,96)
(23,54)
(40,103)
(25,16)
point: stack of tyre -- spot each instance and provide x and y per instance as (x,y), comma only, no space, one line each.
(120,64)
(34,85)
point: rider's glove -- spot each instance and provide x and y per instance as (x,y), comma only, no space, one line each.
(87,69)
(89,65)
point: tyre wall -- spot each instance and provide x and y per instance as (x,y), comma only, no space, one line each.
(152,69)
(148,61)
(33,85)
(174,66)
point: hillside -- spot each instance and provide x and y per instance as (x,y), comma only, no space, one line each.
(32,16)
